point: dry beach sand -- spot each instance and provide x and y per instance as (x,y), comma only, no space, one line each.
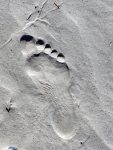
(56,74)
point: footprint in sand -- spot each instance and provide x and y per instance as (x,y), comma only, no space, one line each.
(46,66)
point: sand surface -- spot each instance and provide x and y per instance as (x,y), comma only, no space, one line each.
(56,74)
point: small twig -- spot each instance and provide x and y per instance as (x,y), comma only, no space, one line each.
(8,41)
(43,5)
(39,11)
(58,6)
(82,143)
(9,106)
(8,109)
(29,16)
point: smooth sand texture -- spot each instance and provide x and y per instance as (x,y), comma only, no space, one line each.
(56,74)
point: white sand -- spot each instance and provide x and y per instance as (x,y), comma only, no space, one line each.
(61,100)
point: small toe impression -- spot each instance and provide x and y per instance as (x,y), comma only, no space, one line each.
(40,44)
(12,148)
(60,58)
(47,49)
(26,38)
(54,53)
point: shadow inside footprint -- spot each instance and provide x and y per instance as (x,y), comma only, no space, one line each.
(40,42)
(26,38)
